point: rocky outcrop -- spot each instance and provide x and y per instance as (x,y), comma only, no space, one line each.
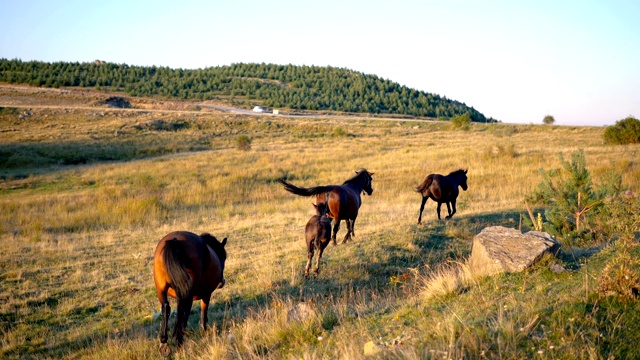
(498,249)
(300,312)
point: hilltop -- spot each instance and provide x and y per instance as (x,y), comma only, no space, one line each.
(310,88)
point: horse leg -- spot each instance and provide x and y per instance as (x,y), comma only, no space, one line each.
(448,211)
(349,230)
(453,205)
(182,318)
(336,227)
(424,201)
(310,257)
(439,204)
(317,269)
(353,227)
(165,350)
(204,316)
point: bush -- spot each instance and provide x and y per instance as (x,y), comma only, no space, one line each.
(461,121)
(243,142)
(619,277)
(549,120)
(339,132)
(626,131)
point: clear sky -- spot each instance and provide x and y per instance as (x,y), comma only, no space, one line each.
(513,60)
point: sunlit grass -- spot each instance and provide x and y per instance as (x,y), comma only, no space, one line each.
(77,241)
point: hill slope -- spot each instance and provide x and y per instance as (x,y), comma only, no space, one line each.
(279,86)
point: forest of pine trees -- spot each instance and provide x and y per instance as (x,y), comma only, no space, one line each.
(277,86)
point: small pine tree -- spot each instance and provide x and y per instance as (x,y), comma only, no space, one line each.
(572,201)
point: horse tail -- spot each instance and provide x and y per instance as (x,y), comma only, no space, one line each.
(304,191)
(173,256)
(425,184)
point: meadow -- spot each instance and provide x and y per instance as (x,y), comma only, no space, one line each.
(86,195)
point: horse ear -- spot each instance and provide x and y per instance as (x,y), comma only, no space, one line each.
(224,242)
(314,205)
(465,172)
(371,173)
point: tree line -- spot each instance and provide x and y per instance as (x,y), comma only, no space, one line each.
(278,86)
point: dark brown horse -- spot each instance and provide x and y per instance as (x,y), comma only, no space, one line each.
(318,234)
(186,267)
(343,200)
(442,189)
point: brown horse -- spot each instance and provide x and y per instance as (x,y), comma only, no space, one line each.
(442,189)
(318,234)
(186,267)
(343,200)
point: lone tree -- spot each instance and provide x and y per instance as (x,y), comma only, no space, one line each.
(549,120)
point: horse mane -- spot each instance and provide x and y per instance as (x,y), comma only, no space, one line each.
(216,245)
(457,172)
(357,176)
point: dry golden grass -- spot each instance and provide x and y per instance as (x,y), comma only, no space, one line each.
(76,242)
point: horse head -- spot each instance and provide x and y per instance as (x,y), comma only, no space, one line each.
(218,248)
(321,209)
(463,182)
(366,176)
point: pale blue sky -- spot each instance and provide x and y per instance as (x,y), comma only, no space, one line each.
(516,61)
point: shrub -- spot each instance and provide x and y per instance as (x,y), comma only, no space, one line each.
(461,121)
(243,142)
(548,120)
(619,277)
(339,132)
(626,131)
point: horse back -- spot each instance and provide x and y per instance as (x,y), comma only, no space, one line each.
(342,202)
(437,187)
(317,232)
(200,262)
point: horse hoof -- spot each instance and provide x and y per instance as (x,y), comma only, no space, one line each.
(165,350)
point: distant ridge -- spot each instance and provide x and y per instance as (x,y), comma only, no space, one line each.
(293,87)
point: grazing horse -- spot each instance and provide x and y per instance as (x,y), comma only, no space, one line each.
(442,189)
(318,234)
(343,200)
(186,267)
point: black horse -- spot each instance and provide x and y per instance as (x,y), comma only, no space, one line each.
(442,189)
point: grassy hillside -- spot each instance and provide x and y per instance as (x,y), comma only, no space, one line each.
(77,238)
(279,86)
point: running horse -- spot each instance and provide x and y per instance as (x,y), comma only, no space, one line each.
(442,189)
(186,267)
(343,201)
